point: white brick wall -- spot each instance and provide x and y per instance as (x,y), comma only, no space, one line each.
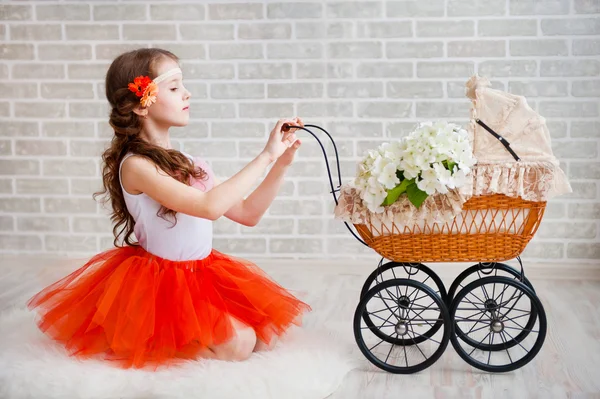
(368,70)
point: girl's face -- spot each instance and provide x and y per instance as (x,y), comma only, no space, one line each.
(172,106)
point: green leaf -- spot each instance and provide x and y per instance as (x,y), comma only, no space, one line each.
(451,165)
(395,192)
(415,195)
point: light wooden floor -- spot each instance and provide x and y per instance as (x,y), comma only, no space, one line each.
(568,365)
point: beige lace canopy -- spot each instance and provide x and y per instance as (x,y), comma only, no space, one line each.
(514,157)
(537,175)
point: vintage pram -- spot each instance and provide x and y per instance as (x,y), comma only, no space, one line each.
(405,316)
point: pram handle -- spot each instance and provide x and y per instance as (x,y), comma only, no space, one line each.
(286,127)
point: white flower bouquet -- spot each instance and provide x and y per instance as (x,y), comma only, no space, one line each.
(434,158)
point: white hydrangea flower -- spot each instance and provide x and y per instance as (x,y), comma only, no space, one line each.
(425,155)
(428,182)
(388,177)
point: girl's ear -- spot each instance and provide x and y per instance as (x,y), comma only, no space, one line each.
(141,111)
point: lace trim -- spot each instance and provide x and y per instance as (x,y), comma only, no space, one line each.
(531,181)
(436,209)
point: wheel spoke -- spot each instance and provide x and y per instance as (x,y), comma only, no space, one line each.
(502,295)
(417,315)
(381,318)
(391,295)
(512,308)
(472,315)
(483,314)
(417,345)
(405,354)
(485,293)
(504,304)
(416,289)
(474,347)
(490,352)
(505,348)
(481,328)
(522,329)
(479,310)
(374,328)
(423,307)
(516,317)
(384,300)
(472,321)
(394,274)
(391,348)
(387,321)
(476,297)
(473,303)
(382,310)
(431,319)
(520,310)
(378,295)
(513,338)
(421,297)
(375,346)
(518,324)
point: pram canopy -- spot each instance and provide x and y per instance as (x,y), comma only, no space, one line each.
(536,174)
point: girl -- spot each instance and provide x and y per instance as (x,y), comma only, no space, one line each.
(170,295)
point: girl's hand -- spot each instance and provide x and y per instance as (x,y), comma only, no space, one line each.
(280,141)
(288,156)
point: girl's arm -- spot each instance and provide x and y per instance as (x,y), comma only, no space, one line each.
(147,178)
(249,211)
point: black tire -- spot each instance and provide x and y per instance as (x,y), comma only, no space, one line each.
(498,324)
(406,319)
(457,283)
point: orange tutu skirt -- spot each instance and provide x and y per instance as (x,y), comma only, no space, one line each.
(135,308)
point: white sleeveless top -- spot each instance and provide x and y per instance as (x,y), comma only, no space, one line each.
(190,238)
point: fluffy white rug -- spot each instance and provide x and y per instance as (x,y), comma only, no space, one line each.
(305,364)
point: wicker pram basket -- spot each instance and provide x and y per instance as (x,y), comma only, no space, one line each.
(491,228)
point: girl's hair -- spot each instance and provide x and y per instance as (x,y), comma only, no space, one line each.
(128,126)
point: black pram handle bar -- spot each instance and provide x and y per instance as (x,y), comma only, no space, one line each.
(286,127)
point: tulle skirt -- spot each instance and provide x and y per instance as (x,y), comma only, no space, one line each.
(137,309)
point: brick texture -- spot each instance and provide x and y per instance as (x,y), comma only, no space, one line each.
(367,70)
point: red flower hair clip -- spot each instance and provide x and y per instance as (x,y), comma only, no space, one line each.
(145,88)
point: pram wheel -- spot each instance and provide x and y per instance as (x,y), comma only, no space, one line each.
(478,272)
(406,311)
(492,309)
(416,272)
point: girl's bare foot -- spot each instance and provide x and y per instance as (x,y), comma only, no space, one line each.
(261,346)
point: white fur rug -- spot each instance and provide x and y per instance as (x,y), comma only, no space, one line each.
(305,364)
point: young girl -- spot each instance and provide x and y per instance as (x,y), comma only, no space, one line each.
(170,295)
